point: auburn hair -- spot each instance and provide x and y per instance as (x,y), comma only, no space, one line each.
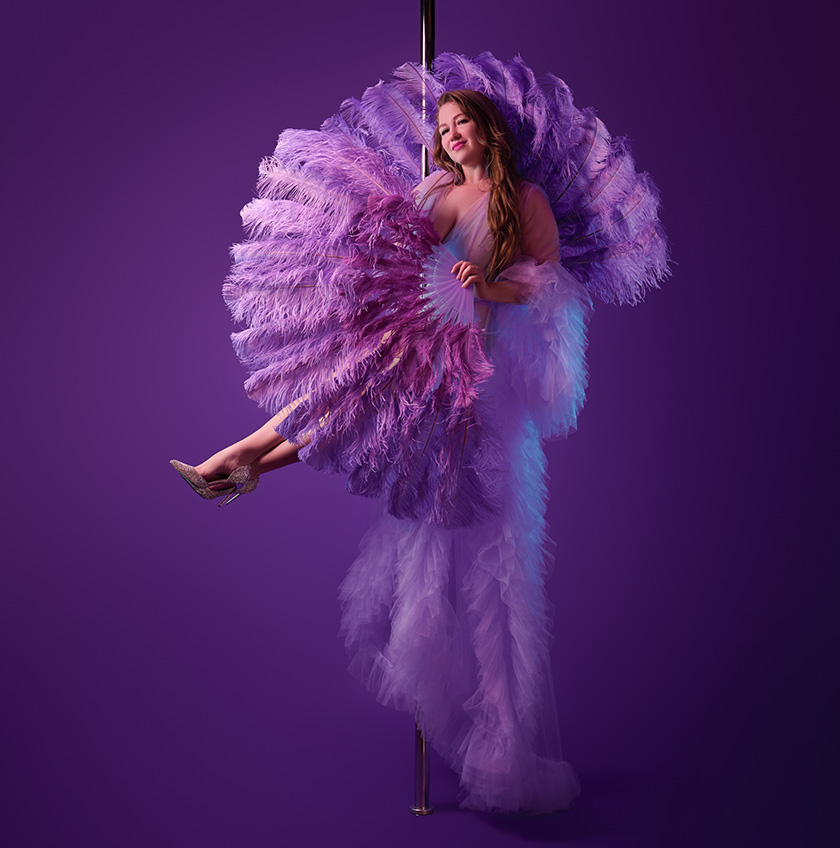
(503,209)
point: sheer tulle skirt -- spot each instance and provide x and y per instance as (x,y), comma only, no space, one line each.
(453,626)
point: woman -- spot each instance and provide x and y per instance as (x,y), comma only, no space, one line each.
(474,169)
(444,611)
(482,708)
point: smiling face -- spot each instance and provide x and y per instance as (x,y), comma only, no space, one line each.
(459,136)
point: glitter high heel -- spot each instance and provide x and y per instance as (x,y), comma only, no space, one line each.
(243,483)
(239,482)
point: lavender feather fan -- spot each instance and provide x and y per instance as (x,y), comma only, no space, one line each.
(334,284)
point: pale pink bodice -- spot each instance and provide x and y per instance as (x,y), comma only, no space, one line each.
(470,237)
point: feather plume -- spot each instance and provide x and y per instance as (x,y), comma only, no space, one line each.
(329,283)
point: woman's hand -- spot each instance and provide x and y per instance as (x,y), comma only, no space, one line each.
(501,291)
(469,274)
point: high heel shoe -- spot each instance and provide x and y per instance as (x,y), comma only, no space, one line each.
(238,482)
(243,483)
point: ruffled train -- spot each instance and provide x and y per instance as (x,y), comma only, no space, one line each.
(453,625)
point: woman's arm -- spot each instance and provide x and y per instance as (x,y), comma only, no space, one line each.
(540,241)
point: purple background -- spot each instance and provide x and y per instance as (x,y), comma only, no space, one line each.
(172,675)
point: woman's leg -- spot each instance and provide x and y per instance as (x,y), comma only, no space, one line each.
(278,457)
(264,450)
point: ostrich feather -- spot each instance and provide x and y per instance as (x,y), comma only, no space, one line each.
(332,283)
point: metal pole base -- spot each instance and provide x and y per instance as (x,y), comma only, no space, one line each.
(421,807)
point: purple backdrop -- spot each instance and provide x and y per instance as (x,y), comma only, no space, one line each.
(172,674)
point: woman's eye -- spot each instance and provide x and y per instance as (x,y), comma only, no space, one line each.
(444,132)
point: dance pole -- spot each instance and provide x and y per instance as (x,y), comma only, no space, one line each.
(427,51)
(421,807)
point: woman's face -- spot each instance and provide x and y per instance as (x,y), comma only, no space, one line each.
(459,136)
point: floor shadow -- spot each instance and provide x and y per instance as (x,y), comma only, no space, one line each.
(609,805)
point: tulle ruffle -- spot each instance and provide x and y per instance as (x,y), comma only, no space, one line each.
(443,629)
(453,626)
(539,348)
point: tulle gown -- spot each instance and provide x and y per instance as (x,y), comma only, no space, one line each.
(444,613)
(453,624)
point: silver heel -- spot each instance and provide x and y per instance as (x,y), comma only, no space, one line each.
(242,482)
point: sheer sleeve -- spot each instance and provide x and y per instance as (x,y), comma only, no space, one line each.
(540,239)
(541,344)
(427,193)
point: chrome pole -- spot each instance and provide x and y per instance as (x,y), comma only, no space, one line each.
(427,52)
(421,775)
(421,750)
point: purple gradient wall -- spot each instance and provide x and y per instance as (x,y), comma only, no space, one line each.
(172,673)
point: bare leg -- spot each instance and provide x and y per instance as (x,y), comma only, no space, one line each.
(264,450)
(278,457)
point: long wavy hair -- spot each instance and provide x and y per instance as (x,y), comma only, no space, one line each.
(503,209)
